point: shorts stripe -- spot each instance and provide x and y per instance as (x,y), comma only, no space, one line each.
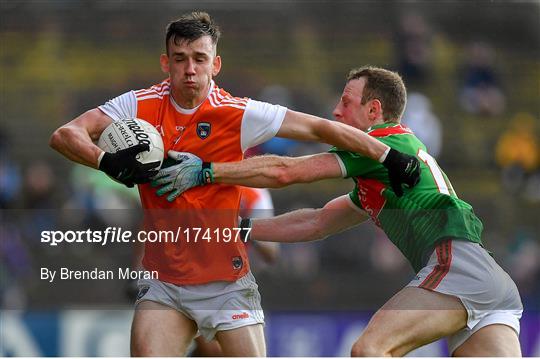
(444,259)
(440,269)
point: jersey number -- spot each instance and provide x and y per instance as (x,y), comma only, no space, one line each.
(438,175)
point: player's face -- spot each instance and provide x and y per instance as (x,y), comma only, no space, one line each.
(191,66)
(350,110)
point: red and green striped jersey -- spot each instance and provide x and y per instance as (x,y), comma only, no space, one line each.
(425,214)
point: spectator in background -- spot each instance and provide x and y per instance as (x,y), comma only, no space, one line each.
(15,260)
(39,183)
(413,49)
(424,123)
(10,178)
(518,155)
(481,92)
(15,266)
(39,194)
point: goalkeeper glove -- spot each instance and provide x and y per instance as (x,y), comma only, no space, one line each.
(124,167)
(402,169)
(186,171)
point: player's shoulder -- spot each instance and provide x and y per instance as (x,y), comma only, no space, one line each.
(219,98)
(155,92)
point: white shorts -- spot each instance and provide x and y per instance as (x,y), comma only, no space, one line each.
(213,306)
(466,270)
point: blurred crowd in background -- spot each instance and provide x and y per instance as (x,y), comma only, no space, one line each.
(472,70)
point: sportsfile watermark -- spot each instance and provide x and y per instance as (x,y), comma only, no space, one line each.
(62,258)
(112,235)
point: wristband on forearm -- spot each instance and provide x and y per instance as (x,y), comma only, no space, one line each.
(245,226)
(207,173)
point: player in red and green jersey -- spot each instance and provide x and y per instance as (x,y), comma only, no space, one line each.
(431,211)
(459,291)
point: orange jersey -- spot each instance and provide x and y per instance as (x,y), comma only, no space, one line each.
(218,130)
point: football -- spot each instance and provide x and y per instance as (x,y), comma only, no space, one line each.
(126,133)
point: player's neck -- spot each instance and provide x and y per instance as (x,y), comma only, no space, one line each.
(378,122)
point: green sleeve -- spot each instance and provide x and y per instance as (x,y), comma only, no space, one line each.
(360,165)
(356,164)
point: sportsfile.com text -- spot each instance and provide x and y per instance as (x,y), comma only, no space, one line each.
(118,235)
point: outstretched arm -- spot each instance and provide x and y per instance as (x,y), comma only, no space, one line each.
(305,225)
(301,126)
(262,172)
(274,171)
(403,169)
(189,170)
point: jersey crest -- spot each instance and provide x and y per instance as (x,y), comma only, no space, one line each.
(203,130)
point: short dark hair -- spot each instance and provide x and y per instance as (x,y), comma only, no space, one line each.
(384,85)
(191,27)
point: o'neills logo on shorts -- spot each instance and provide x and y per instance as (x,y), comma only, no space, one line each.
(243,315)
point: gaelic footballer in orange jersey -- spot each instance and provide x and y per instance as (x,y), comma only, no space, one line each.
(194,115)
(220,129)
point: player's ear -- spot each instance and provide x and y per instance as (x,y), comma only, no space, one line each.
(375,109)
(164,62)
(217,65)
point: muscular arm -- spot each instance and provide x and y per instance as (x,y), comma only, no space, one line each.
(305,225)
(275,171)
(189,170)
(75,139)
(301,126)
